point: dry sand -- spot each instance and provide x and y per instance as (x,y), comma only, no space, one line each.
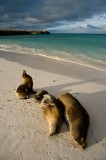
(23,130)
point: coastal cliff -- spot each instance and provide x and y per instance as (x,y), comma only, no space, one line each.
(21,32)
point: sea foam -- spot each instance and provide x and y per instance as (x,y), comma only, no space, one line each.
(82,60)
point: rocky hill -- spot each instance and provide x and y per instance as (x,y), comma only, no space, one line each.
(21,32)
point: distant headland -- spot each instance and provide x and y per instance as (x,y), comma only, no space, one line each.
(21,32)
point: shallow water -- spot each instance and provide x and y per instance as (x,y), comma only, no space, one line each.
(86,49)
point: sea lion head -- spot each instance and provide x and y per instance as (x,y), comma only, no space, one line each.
(48,99)
(24,73)
(39,95)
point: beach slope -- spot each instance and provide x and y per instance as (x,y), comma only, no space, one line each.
(23,130)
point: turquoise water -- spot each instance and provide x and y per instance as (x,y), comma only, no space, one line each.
(87,49)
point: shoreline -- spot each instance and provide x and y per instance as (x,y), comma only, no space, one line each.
(57,58)
(53,65)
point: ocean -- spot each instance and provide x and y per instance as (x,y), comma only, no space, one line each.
(84,49)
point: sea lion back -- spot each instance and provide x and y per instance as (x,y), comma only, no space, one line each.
(28,81)
(77,118)
(52,113)
(27,78)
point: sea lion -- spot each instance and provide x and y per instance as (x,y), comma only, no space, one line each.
(22,92)
(28,81)
(39,95)
(26,88)
(52,113)
(77,118)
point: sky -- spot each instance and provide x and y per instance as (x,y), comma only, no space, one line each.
(56,16)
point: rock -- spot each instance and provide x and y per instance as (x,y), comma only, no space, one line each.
(21,32)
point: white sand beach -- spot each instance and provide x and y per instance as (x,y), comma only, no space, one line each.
(23,129)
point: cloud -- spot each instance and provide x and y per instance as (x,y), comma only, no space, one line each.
(43,14)
(96,24)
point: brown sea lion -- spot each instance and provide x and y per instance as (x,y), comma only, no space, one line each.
(52,113)
(77,118)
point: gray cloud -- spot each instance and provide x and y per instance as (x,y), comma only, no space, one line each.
(41,14)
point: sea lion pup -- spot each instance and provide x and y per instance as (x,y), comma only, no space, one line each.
(77,118)
(22,92)
(52,113)
(28,81)
(39,95)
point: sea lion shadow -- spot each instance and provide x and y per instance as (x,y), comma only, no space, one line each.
(31,96)
(57,89)
(95,105)
(64,128)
